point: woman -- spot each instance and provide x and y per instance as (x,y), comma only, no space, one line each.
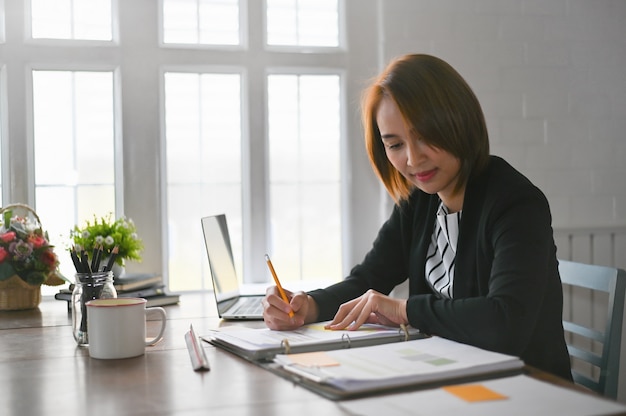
(472,234)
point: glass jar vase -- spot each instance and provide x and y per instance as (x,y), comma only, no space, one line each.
(88,286)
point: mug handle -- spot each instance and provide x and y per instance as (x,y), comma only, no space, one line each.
(161,313)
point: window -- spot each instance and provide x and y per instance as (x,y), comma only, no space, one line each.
(204,171)
(304,143)
(303,23)
(72,19)
(74,146)
(297,148)
(217,113)
(2,31)
(3,123)
(203,146)
(201,22)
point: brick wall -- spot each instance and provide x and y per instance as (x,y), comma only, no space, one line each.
(552,81)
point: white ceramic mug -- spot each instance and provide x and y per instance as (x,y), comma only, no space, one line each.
(117,327)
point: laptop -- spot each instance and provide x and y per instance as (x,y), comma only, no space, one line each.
(231,304)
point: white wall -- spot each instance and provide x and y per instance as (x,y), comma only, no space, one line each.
(550,76)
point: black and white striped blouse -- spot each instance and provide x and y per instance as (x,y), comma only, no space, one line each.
(442,252)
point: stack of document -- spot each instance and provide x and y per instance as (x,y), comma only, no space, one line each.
(390,366)
(261,344)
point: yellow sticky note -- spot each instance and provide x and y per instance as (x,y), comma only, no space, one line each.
(474,393)
(313,359)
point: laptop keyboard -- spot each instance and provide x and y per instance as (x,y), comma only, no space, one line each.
(251,306)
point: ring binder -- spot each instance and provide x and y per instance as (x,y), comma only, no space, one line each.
(404,329)
(285,344)
(262,344)
(345,337)
(386,367)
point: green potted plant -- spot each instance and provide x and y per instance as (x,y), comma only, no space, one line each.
(107,234)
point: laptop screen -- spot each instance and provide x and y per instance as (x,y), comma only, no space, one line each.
(220,254)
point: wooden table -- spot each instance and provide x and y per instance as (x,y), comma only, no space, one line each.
(43,372)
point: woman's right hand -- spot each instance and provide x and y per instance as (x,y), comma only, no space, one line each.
(276,310)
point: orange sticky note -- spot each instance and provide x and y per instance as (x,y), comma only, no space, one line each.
(474,393)
(313,359)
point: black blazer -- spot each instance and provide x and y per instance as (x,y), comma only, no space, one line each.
(507,293)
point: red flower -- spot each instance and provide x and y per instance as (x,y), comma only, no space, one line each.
(3,254)
(37,240)
(49,258)
(8,237)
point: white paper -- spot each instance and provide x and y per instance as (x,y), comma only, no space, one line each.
(525,396)
(396,364)
(262,338)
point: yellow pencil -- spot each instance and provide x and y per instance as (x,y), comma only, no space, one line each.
(278,285)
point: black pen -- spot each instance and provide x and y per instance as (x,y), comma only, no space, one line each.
(94,255)
(85,262)
(112,257)
(98,257)
(76,261)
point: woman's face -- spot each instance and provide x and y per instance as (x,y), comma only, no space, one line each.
(431,169)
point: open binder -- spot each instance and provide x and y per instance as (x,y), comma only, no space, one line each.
(263,344)
(416,364)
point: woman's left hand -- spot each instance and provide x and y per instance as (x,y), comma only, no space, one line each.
(372,307)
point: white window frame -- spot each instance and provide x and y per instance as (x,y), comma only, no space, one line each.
(138,126)
(115,31)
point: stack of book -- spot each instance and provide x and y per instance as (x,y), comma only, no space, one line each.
(134,285)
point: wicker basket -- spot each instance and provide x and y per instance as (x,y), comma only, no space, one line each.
(16,294)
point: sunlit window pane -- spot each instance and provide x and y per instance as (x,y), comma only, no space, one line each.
(304,166)
(74,151)
(203,145)
(204,22)
(303,22)
(2,127)
(2,23)
(72,19)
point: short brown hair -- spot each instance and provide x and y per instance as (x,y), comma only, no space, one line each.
(437,103)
